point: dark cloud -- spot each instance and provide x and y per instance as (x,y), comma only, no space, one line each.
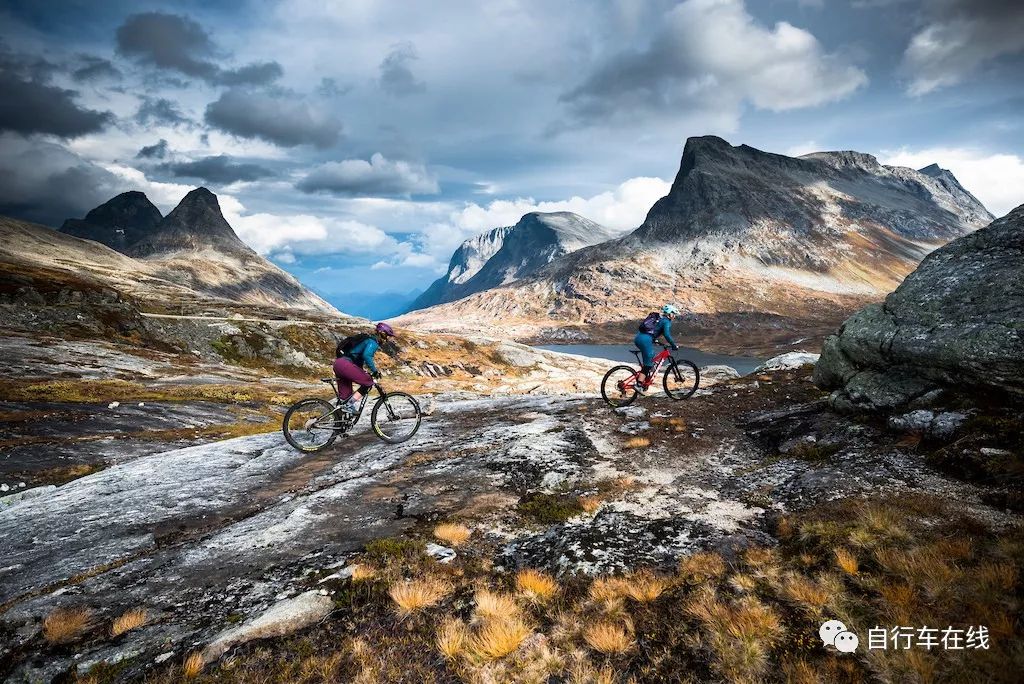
(177,43)
(28,106)
(45,183)
(219,169)
(379,177)
(282,118)
(155,151)
(252,74)
(160,111)
(329,87)
(959,37)
(94,69)
(396,76)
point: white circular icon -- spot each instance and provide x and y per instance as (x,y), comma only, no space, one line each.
(846,642)
(829,630)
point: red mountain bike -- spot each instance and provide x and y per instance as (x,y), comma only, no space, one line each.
(681,379)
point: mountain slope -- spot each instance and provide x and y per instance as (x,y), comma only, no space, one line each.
(503,255)
(189,259)
(760,249)
(117,223)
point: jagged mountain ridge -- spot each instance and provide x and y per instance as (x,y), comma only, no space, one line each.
(509,253)
(190,257)
(747,242)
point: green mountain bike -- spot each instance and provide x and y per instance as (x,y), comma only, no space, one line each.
(314,424)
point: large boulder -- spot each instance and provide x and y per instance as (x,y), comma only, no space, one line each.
(956,323)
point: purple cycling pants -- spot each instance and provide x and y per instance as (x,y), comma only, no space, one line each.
(347,373)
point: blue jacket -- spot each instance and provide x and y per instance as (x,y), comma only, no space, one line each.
(664,328)
(362,354)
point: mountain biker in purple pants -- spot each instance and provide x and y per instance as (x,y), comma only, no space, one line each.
(348,367)
(653,327)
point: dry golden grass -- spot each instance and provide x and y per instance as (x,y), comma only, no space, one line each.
(491,604)
(497,638)
(923,566)
(412,596)
(452,533)
(846,561)
(590,504)
(700,567)
(609,638)
(805,593)
(644,586)
(637,443)
(451,638)
(742,583)
(899,601)
(65,625)
(1000,576)
(607,589)
(536,585)
(759,557)
(800,672)
(738,635)
(784,528)
(132,619)
(193,665)
(363,572)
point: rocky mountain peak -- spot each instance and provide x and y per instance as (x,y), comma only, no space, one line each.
(118,223)
(505,254)
(196,223)
(771,200)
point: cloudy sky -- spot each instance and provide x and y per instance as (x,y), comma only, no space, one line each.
(357,143)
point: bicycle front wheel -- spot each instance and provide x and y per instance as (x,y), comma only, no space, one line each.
(309,425)
(681,379)
(619,386)
(395,417)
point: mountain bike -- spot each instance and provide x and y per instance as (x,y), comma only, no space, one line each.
(313,424)
(681,379)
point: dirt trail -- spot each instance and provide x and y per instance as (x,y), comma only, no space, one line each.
(205,535)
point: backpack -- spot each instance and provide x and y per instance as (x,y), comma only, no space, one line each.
(346,346)
(650,324)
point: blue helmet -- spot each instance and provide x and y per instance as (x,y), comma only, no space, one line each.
(669,310)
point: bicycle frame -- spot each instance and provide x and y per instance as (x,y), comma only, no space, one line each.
(362,403)
(659,360)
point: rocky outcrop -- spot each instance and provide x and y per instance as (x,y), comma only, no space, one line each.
(752,245)
(504,255)
(956,324)
(119,223)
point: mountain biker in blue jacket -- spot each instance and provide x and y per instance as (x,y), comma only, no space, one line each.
(644,341)
(348,369)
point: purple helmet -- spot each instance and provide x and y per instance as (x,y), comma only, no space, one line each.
(385,329)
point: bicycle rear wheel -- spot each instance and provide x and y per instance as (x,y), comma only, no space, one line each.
(395,417)
(681,379)
(309,425)
(618,386)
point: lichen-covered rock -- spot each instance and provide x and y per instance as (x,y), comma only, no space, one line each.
(787,361)
(956,323)
(281,619)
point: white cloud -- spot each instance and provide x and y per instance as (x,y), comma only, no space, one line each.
(285,236)
(995,179)
(623,209)
(714,54)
